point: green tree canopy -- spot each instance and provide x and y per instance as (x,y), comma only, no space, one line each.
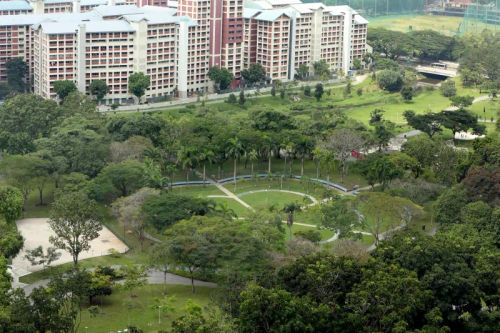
(11,203)
(117,180)
(99,89)
(25,118)
(221,76)
(16,74)
(254,74)
(164,210)
(75,221)
(63,88)
(137,84)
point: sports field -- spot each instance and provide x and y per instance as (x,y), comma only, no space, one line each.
(446,25)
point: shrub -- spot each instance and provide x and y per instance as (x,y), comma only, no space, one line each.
(311,235)
(448,88)
(390,80)
(307,91)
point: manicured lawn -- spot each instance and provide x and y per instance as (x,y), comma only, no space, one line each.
(487,110)
(265,200)
(306,187)
(199,191)
(119,309)
(447,25)
(230,203)
(325,234)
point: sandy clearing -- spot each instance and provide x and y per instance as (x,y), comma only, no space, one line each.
(36,232)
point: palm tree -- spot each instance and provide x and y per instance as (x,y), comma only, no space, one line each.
(207,156)
(290,151)
(235,150)
(290,210)
(317,153)
(269,145)
(252,157)
(302,148)
(188,158)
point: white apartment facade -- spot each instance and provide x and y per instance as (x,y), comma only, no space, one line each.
(176,44)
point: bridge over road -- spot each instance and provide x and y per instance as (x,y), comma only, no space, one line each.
(438,69)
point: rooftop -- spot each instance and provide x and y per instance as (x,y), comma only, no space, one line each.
(55,28)
(105,10)
(98,2)
(15,5)
(272,14)
(30,19)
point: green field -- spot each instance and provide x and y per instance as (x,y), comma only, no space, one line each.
(307,187)
(447,25)
(265,200)
(325,234)
(235,206)
(119,309)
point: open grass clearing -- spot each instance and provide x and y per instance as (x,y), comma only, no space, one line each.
(198,191)
(325,234)
(268,199)
(119,309)
(447,25)
(307,187)
(235,206)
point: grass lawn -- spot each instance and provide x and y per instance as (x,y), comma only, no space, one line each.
(199,191)
(487,109)
(265,200)
(367,240)
(447,25)
(119,309)
(239,209)
(306,187)
(325,234)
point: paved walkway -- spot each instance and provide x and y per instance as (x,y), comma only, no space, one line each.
(477,99)
(232,195)
(153,277)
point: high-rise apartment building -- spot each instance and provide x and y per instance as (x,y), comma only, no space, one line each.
(174,42)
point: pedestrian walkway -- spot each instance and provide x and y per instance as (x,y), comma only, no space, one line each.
(232,195)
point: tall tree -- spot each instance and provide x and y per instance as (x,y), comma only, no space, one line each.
(290,209)
(11,203)
(256,73)
(235,150)
(460,121)
(137,85)
(302,71)
(160,259)
(63,88)
(128,211)
(16,74)
(378,168)
(99,89)
(75,220)
(343,142)
(341,216)
(118,179)
(25,118)
(428,123)
(221,76)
